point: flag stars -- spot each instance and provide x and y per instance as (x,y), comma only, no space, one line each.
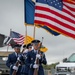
(59,6)
(44,0)
(51,2)
(58,3)
(55,4)
(47,0)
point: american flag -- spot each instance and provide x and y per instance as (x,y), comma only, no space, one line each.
(59,15)
(18,38)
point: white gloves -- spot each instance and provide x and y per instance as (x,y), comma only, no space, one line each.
(35,66)
(15,68)
(18,59)
(26,51)
(38,56)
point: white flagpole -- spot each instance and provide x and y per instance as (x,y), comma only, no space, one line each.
(42,39)
(26,34)
(9,36)
(34,31)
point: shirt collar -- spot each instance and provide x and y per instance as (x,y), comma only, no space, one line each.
(36,51)
(15,53)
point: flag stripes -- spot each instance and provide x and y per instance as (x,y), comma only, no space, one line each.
(29,12)
(62,21)
(18,38)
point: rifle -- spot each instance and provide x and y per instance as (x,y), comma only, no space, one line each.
(37,62)
(17,64)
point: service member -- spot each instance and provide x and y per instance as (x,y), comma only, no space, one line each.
(25,68)
(12,58)
(33,55)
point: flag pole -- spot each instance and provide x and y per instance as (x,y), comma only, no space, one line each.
(26,34)
(34,31)
(9,36)
(42,39)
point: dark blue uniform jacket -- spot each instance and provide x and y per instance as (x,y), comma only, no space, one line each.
(25,68)
(12,58)
(30,61)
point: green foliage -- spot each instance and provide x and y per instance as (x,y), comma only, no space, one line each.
(48,67)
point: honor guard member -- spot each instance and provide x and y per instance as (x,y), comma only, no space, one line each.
(32,56)
(12,58)
(25,68)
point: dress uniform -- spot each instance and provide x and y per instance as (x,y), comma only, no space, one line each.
(12,58)
(31,59)
(25,68)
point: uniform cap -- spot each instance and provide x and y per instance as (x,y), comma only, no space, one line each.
(28,45)
(24,46)
(35,41)
(17,46)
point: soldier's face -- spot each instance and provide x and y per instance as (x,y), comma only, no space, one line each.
(36,46)
(17,50)
(30,48)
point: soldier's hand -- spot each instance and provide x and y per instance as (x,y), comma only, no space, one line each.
(35,66)
(15,68)
(26,51)
(38,56)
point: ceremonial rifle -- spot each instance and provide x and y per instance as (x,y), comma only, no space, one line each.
(17,65)
(14,72)
(37,60)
